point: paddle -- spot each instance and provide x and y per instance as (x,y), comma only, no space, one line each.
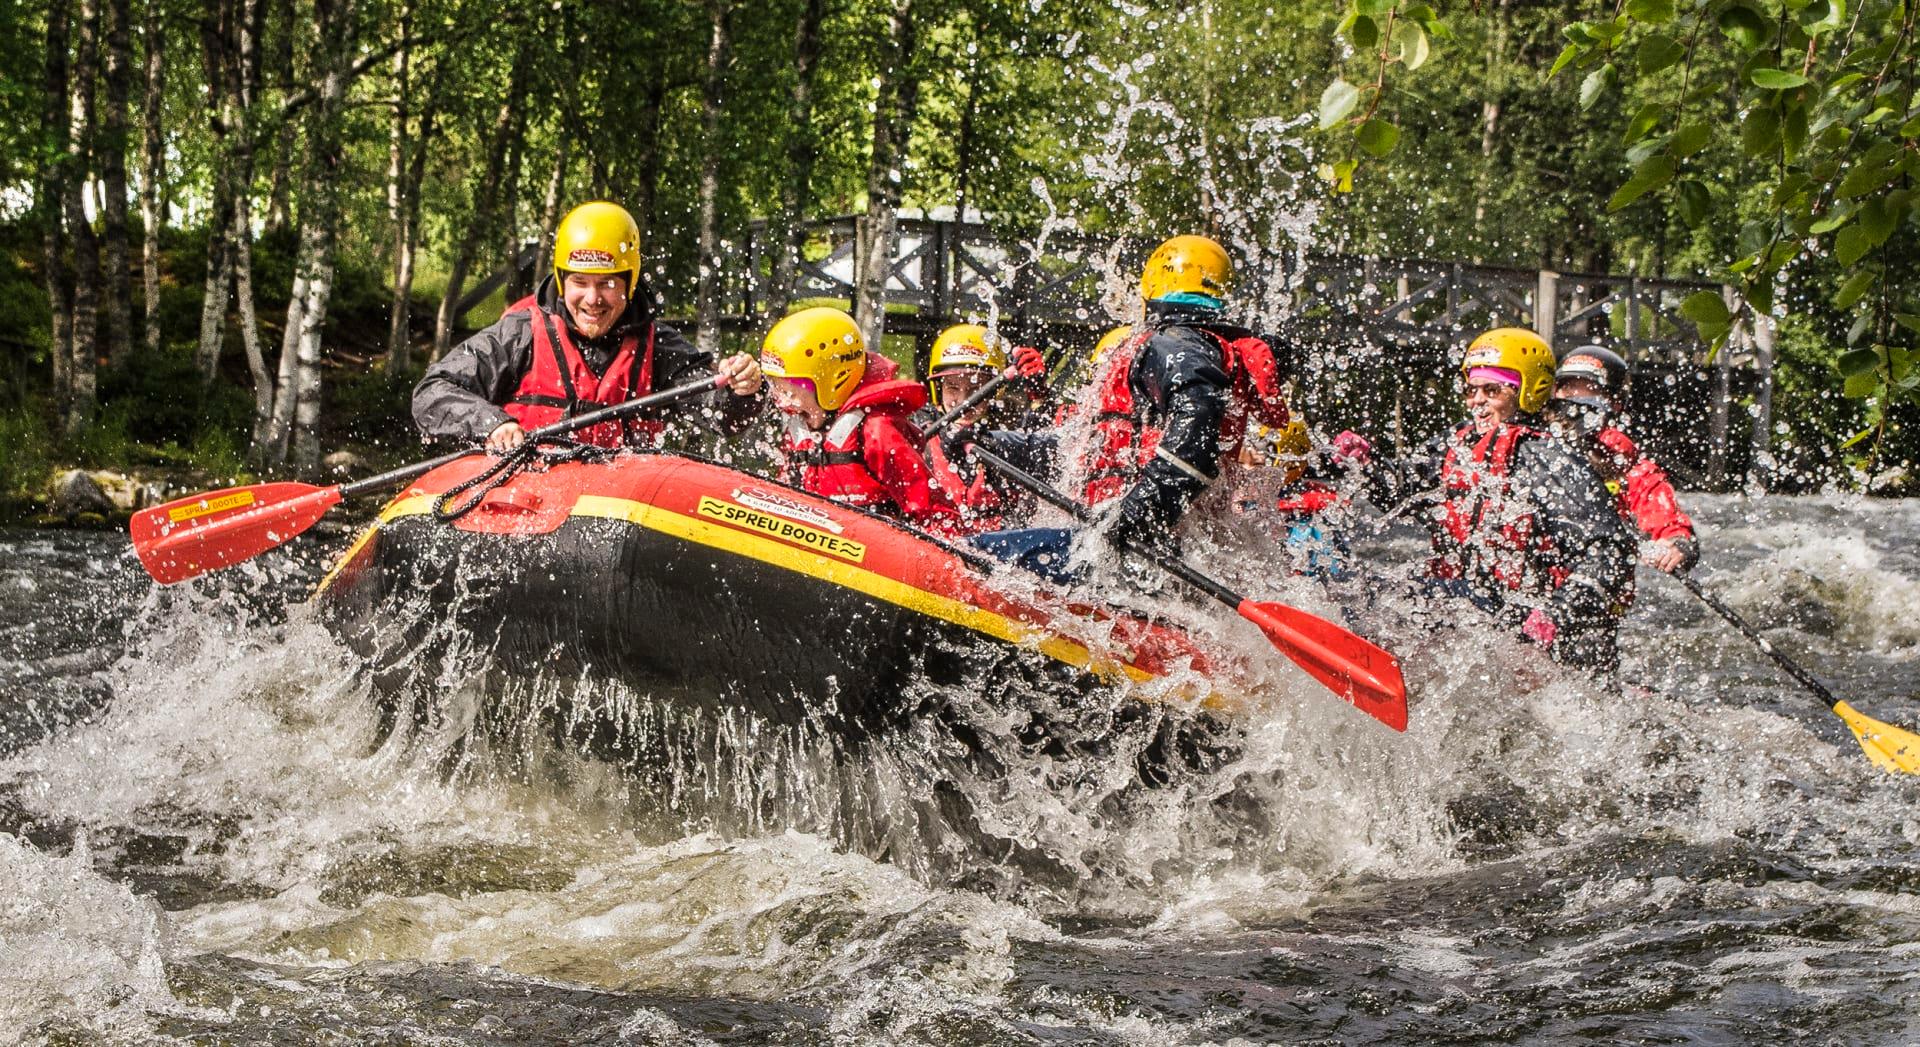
(1889,747)
(973,400)
(1350,666)
(188,537)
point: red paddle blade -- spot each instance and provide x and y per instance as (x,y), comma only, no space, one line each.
(1350,666)
(187,538)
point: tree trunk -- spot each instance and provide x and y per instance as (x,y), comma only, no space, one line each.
(485,195)
(217,44)
(279,205)
(646,188)
(319,221)
(397,324)
(510,200)
(550,207)
(113,178)
(240,86)
(249,326)
(400,333)
(86,249)
(719,57)
(153,169)
(893,112)
(796,192)
(50,199)
(279,432)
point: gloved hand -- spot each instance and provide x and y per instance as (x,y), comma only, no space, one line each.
(1028,362)
(1130,523)
(1350,449)
(1141,521)
(1539,628)
(1672,555)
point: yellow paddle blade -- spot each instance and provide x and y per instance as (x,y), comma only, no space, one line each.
(1889,747)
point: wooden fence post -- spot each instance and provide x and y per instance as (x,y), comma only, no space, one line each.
(1546,302)
(1762,442)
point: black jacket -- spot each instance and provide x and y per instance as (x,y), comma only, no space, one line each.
(1570,506)
(459,397)
(1180,385)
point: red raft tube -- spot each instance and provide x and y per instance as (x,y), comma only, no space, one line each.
(684,578)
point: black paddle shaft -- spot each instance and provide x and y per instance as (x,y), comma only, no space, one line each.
(1079,512)
(966,405)
(1766,646)
(545,432)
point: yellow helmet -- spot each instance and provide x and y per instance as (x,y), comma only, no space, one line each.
(1285,448)
(820,345)
(966,345)
(1108,342)
(1186,263)
(1518,350)
(597,237)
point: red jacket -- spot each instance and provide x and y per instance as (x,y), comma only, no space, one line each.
(868,455)
(1119,446)
(1646,495)
(969,490)
(1126,439)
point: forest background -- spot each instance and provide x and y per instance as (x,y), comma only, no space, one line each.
(233,232)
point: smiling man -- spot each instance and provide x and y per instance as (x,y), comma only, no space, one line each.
(1521,528)
(586,339)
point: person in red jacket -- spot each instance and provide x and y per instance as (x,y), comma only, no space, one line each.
(586,339)
(965,358)
(1589,387)
(848,437)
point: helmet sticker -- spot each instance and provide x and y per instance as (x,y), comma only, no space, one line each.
(588,258)
(1584,366)
(965,356)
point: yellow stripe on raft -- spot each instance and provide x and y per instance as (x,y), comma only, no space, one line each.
(417,505)
(848,576)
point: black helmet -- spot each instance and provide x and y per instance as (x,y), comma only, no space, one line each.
(1597,364)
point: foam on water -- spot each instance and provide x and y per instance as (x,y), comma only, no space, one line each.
(779,877)
(79,947)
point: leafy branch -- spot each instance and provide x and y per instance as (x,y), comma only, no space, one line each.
(1388,34)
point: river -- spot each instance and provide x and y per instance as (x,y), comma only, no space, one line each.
(205,838)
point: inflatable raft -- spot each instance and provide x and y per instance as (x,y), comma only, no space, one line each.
(691,581)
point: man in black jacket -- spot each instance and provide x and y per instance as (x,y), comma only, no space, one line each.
(1192,382)
(1521,526)
(585,339)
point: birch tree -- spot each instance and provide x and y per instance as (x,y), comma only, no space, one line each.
(153,166)
(719,58)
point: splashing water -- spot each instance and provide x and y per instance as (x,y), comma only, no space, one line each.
(230,844)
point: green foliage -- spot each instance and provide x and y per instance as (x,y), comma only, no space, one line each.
(25,464)
(1825,116)
(1385,36)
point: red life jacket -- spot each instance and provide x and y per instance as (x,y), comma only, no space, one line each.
(1481,534)
(1123,444)
(833,463)
(1115,459)
(978,502)
(560,385)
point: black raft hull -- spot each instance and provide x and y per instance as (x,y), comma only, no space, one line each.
(709,589)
